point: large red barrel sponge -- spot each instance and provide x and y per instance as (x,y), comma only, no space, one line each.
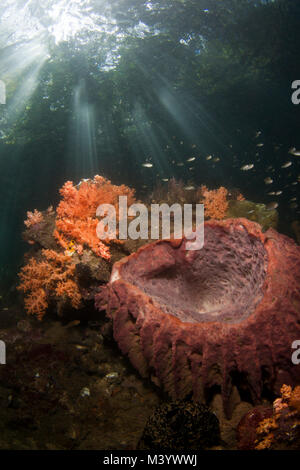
(201,321)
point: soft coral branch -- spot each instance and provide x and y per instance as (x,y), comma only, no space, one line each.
(52,276)
(215,202)
(33,218)
(76,212)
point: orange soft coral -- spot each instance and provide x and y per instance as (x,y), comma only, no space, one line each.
(294,402)
(215,202)
(285,420)
(53,276)
(76,212)
(33,218)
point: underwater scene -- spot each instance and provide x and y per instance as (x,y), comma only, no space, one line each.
(150,226)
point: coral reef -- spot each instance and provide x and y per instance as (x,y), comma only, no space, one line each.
(76,212)
(53,276)
(283,427)
(41,234)
(253,211)
(207,320)
(174,192)
(215,202)
(33,218)
(180,425)
(85,262)
(246,430)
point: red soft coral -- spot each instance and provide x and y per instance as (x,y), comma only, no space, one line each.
(52,276)
(215,202)
(33,218)
(76,212)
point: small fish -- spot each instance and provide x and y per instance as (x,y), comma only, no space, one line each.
(69,252)
(258,133)
(294,205)
(209,157)
(272,193)
(80,347)
(260,144)
(271,206)
(278,193)
(216,159)
(268,180)
(180,164)
(189,188)
(192,159)
(286,165)
(294,151)
(293,199)
(247,167)
(250,212)
(84,180)
(165,179)
(147,165)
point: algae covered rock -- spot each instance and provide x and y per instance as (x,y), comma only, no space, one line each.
(180,425)
(253,211)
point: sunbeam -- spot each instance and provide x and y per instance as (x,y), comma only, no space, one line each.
(20,72)
(83,140)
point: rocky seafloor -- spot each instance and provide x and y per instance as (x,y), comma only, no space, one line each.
(67,386)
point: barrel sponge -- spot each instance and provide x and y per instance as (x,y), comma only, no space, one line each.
(212,319)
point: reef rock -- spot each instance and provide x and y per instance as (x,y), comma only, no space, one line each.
(208,321)
(246,430)
(180,426)
(254,212)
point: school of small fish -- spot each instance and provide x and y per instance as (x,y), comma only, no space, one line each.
(273,174)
